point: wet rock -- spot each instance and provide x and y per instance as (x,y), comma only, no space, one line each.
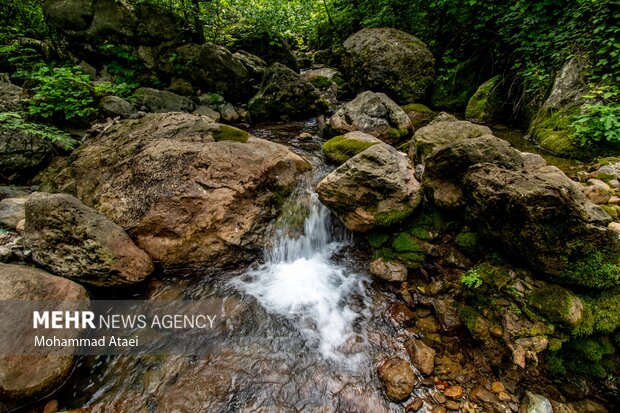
(373,189)
(454,392)
(535,403)
(114,106)
(422,356)
(557,304)
(446,166)
(489,401)
(188,191)
(452,405)
(340,149)
(401,315)
(497,387)
(589,406)
(446,310)
(160,101)
(388,270)
(26,378)
(414,406)
(75,241)
(549,213)
(22,155)
(528,349)
(438,409)
(443,130)
(284,94)
(390,61)
(397,378)
(12,211)
(532,161)
(372,113)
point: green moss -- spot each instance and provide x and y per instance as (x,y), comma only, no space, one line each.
(321,82)
(228,133)
(468,242)
(586,356)
(340,149)
(404,243)
(377,239)
(418,107)
(555,303)
(594,270)
(474,322)
(482,105)
(386,219)
(604,308)
(612,210)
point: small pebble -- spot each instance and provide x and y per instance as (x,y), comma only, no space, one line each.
(454,392)
(452,405)
(497,387)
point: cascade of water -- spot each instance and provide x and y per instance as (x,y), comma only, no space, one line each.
(301,281)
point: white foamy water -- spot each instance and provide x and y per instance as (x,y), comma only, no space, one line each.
(301,281)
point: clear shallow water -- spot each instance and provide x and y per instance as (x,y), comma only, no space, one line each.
(304,327)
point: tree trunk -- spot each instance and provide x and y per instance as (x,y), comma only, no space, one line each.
(200,31)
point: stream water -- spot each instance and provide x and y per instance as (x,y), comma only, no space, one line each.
(305,325)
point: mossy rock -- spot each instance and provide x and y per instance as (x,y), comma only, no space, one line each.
(483,105)
(418,107)
(558,304)
(468,243)
(229,133)
(341,148)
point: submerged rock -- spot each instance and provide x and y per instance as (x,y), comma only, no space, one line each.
(422,356)
(285,95)
(443,130)
(372,189)
(372,113)
(24,378)
(75,241)
(390,61)
(189,191)
(397,378)
(388,270)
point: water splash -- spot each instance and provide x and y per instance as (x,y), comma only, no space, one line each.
(301,281)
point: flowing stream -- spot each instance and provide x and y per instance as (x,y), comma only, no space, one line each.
(305,327)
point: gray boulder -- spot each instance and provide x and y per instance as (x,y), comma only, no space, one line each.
(443,130)
(114,106)
(284,94)
(390,61)
(163,101)
(375,188)
(75,241)
(9,95)
(372,113)
(22,155)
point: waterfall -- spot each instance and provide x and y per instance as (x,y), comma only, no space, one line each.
(301,281)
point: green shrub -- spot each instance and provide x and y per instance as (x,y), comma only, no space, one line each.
(15,121)
(471,278)
(62,94)
(599,124)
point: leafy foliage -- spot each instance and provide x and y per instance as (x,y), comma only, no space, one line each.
(16,121)
(472,278)
(62,94)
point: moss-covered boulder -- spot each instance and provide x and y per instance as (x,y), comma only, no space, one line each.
(372,113)
(285,95)
(543,218)
(443,130)
(558,304)
(340,149)
(328,81)
(419,114)
(390,61)
(375,188)
(483,105)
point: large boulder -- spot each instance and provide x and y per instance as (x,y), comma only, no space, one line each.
(284,94)
(443,130)
(446,166)
(22,155)
(542,217)
(189,191)
(375,188)
(397,378)
(25,378)
(114,106)
(74,241)
(372,113)
(213,68)
(163,101)
(390,61)
(97,21)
